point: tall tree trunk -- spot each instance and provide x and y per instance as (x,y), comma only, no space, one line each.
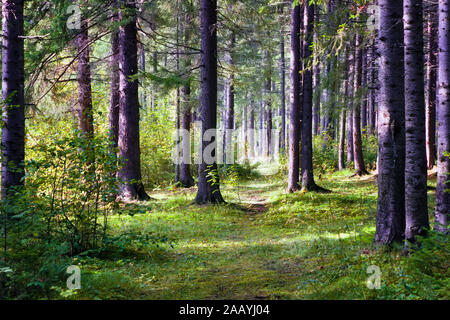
(308,182)
(13,128)
(416,212)
(268,104)
(186,179)
(316,79)
(372,84)
(350,102)
(208,190)
(229,116)
(357,144)
(129,148)
(443,129)
(114,99)
(294,121)
(364,87)
(341,155)
(430,129)
(283,95)
(251,128)
(85,114)
(390,219)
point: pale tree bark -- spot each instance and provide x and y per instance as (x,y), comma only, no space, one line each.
(432,47)
(416,212)
(390,219)
(443,129)
(294,119)
(283,95)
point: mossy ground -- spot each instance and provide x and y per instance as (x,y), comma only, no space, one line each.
(263,244)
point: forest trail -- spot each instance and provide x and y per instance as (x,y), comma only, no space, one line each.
(262,244)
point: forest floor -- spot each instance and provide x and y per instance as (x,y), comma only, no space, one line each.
(263,244)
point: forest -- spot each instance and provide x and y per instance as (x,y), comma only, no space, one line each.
(225,150)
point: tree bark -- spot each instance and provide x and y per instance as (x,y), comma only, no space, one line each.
(294,121)
(186,179)
(360,168)
(308,183)
(208,191)
(416,212)
(283,95)
(443,129)
(129,148)
(430,129)
(85,115)
(390,219)
(13,75)
(229,115)
(114,99)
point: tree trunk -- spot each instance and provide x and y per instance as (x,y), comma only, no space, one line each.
(13,128)
(443,129)
(390,219)
(129,148)
(268,104)
(186,179)
(208,190)
(308,182)
(294,121)
(114,99)
(283,95)
(85,115)
(316,79)
(251,128)
(357,144)
(416,212)
(372,84)
(364,87)
(229,116)
(430,129)
(341,159)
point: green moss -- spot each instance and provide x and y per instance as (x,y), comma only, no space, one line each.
(272,245)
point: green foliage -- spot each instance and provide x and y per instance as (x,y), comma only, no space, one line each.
(324,155)
(157,128)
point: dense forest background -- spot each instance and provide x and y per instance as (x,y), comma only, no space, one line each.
(329,158)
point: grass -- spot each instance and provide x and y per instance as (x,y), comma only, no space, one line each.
(264,244)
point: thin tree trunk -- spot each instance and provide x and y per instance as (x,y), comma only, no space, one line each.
(357,143)
(85,115)
(390,219)
(13,75)
(430,129)
(251,128)
(208,190)
(443,160)
(283,95)
(229,116)
(186,179)
(114,99)
(129,148)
